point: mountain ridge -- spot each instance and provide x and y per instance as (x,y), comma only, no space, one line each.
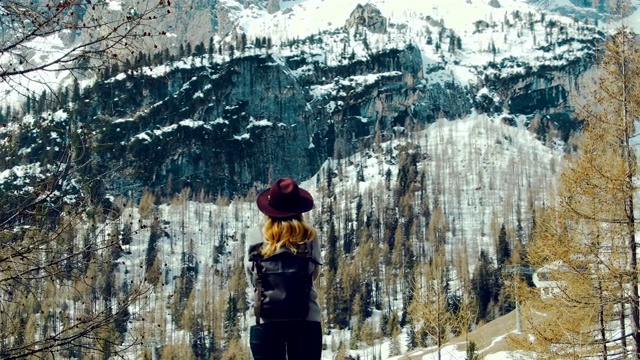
(316,86)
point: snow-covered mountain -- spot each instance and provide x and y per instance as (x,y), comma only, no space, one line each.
(339,78)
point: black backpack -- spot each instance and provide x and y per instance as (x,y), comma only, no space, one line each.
(282,283)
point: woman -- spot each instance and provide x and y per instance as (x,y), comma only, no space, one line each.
(284,229)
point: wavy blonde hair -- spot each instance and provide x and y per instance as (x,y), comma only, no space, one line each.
(291,232)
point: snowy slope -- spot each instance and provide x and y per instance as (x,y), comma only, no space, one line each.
(479,166)
(411,21)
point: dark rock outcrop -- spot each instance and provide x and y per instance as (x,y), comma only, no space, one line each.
(221,128)
(540,88)
(369,17)
(273,6)
(227,13)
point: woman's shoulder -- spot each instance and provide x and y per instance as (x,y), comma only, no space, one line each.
(314,245)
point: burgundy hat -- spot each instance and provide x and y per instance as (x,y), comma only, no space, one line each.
(284,199)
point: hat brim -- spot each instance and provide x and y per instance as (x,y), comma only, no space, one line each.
(305,203)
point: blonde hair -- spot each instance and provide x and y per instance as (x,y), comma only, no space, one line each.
(291,232)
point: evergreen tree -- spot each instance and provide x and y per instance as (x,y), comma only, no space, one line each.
(349,238)
(210,49)
(332,247)
(155,234)
(127,234)
(390,226)
(231,323)
(503,251)
(485,285)
(407,171)
(243,42)
(412,338)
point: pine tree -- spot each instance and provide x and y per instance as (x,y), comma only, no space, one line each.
(393,329)
(503,251)
(485,285)
(231,321)
(152,246)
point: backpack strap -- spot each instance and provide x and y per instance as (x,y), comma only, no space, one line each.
(256,258)
(258,305)
(309,247)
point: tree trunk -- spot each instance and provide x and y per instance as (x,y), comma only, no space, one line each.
(629,158)
(623,331)
(603,324)
(633,269)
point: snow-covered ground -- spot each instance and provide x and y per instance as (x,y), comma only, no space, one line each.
(468,158)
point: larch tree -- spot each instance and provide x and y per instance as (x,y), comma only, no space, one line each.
(585,244)
(59,275)
(58,282)
(429,309)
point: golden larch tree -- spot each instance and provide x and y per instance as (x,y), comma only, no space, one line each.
(584,245)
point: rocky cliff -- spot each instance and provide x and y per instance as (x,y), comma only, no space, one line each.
(223,127)
(223,121)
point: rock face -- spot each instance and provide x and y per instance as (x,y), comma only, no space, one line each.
(593,10)
(369,17)
(226,13)
(545,89)
(608,6)
(222,128)
(273,6)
